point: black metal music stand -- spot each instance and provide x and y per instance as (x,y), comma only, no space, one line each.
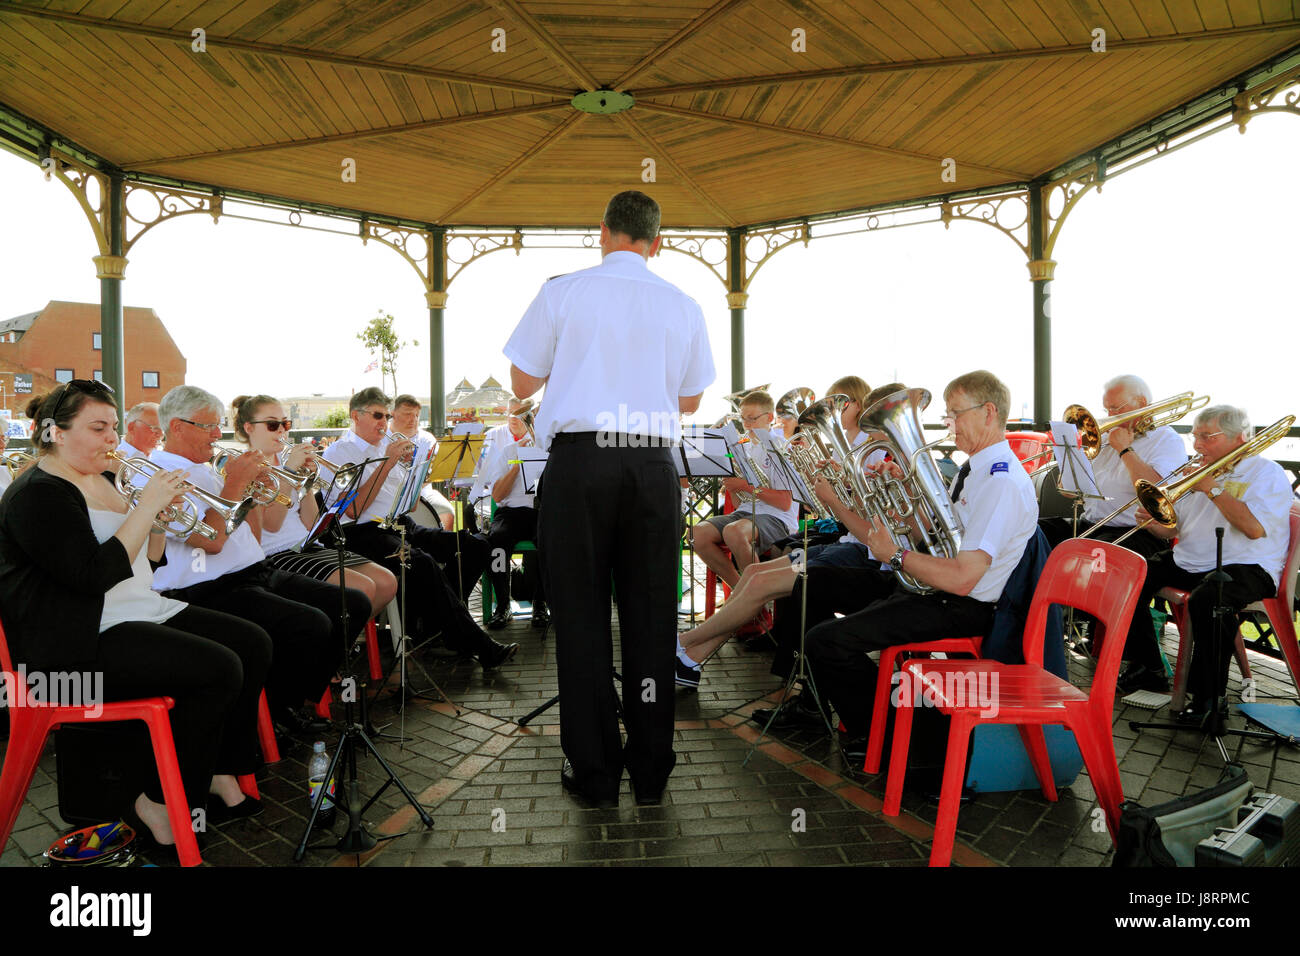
(355,839)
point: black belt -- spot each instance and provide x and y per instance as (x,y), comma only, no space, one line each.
(615,439)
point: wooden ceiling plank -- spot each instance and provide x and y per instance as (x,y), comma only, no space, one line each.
(1157,18)
(1274,10)
(279,50)
(1245,11)
(254,95)
(664,158)
(1214,14)
(898,41)
(1125,17)
(549,44)
(564,127)
(679,40)
(1045,28)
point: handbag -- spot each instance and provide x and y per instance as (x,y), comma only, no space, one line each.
(1166,835)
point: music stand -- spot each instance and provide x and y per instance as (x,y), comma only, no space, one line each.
(702,458)
(356,838)
(456,457)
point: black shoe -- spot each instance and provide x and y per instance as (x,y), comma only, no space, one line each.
(1141,677)
(855,751)
(570,782)
(219,813)
(1189,717)
(794,714)
(653,796)
(496,655)
(541,617)
(758,642)
(500,617)
(300,721)
(687,676)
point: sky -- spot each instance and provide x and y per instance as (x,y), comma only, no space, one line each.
(1183,271)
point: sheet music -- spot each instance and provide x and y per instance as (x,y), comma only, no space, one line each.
(532,462)
(468,428)
(1073,466)
(406,497)
(789,478)
(740,459)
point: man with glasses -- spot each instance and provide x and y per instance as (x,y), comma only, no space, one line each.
(1252,503)
(994,501)
(143,433)
(762,516)
(229,572)
(432,599)
(406,422)
(1123,459)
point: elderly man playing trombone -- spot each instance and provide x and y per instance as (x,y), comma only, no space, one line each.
(1252,503)
(1128,452)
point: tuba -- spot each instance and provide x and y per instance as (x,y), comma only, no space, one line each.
(1141,420)
(1159,500)
(920,492)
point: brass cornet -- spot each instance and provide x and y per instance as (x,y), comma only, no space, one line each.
(265,489)
(311,472)
(180,520)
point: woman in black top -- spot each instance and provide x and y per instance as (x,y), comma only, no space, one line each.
(75,596)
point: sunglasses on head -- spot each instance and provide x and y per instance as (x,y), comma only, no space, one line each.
(86,387)
(273,424)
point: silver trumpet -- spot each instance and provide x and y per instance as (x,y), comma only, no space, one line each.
(398,436)
(266,487)
(180,520)
(311,473)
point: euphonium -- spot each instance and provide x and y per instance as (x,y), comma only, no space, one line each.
(1158,500)
(795,402)
(1141,420)
(820,424)
(921,491)
(185,516)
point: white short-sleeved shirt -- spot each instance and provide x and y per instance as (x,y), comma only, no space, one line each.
(496,467)
(351,449)
(620,346)
(127,450)
(998,513)
(292,531)
(425,444)
(875,457)
(1161,448)
(183,568)
(1263,487)
(778,482)
(493,439)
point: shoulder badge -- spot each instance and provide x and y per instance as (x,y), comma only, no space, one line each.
(999,466)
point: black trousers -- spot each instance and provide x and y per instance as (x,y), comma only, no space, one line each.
(302,616)
(602,512)
(213,665)
(831,590)
(463,556)
(433,602)
(1207,678)
(1057,530)
(509,527)
(837,650)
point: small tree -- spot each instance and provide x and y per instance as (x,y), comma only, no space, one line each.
(380,338)
(336,418)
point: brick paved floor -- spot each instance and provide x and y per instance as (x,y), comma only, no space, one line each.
(493,789)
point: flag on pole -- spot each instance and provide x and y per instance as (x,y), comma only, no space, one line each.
(374,364)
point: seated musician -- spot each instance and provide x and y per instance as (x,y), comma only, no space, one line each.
(762,517)
(76,597)
(1252,503)
(143,433)
(480,492)
(994,502)
(259,422)
(406,421)
(432,599)
(1123,459)
(231,574)
(515,520)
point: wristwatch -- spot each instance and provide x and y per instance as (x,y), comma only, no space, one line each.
(1214,493)
(1126,451)
(896,562)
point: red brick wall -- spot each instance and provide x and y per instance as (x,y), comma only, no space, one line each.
(62,336)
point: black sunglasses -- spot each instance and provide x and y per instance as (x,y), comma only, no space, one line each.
(380,416)
(273,424)
(86,387)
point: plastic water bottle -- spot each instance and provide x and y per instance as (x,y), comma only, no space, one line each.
(317,768)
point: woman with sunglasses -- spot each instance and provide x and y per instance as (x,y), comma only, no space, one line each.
(76,598)
(259,422)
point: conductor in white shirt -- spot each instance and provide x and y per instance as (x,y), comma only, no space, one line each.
(624,353)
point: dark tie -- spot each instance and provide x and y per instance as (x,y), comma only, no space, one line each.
(960,483)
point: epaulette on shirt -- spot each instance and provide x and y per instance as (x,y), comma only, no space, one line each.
(560,276)
(999,466)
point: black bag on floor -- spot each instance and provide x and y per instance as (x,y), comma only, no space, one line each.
(1166,835)
(101,769)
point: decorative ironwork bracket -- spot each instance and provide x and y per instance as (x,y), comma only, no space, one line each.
(403,241)
(710,250)
(140,214)
(1009,214)
(1248,104)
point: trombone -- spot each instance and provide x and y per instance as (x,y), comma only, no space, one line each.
(1140,420)
(16,461)
(1158,499)
(180,520)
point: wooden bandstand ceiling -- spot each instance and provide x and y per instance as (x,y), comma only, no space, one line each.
(742,128)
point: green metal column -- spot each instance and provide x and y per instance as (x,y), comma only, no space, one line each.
(736,299)
(1040,274)
(111,270)
(437,299)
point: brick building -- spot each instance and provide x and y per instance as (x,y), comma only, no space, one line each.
(61,342)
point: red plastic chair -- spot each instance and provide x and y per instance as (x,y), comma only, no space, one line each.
(1034,449)
(372,650)
(884,687)
(266,732)
(30,727)
(1029,696)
